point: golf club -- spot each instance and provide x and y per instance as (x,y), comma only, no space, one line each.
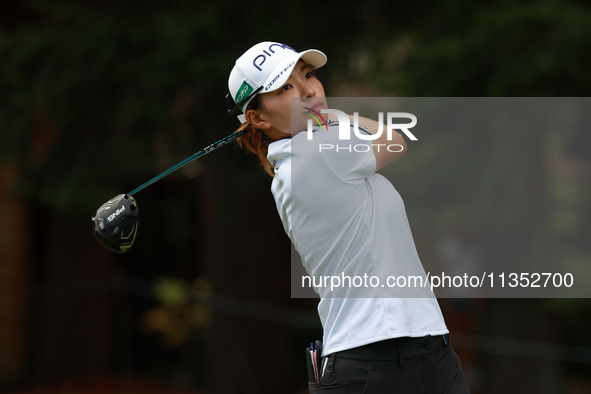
(115,224)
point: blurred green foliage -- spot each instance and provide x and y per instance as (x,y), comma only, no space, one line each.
(183,309)
(99,98)
(95,98)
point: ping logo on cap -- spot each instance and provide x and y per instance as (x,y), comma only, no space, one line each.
(258,63)
(243,92)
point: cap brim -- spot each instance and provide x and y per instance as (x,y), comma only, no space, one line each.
(283,71)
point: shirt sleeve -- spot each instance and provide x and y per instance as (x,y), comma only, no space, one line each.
(349,160)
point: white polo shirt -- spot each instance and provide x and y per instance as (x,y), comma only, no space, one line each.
(346,220)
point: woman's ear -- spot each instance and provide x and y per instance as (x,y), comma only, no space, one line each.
(257,119)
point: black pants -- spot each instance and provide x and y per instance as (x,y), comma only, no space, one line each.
(406,365)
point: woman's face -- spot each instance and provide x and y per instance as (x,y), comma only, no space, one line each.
(274,116)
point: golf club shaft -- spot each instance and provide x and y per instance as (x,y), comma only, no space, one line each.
(189,159)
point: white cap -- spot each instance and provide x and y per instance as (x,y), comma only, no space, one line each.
(264,68)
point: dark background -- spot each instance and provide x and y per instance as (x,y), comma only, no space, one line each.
(96,97)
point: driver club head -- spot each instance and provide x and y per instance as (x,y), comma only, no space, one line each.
(115,224)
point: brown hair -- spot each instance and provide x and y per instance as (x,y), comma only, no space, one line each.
(255,140)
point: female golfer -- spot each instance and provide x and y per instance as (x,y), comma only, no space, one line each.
(345,221)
